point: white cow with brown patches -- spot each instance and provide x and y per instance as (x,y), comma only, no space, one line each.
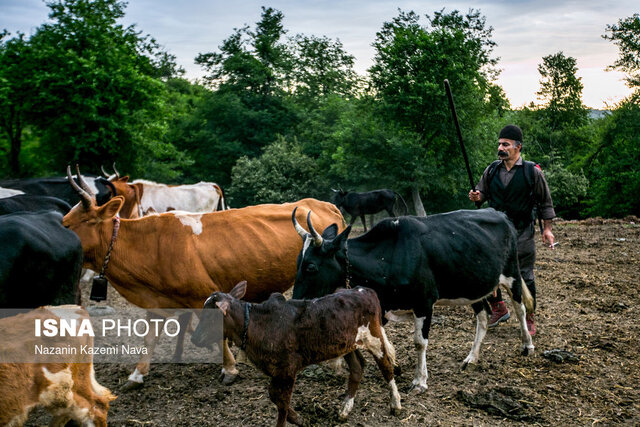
(66,388)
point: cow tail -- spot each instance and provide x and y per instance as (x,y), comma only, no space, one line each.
(527,298)
(406,208)
(221,204)
(388,347)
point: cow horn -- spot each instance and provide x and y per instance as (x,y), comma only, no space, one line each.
(115,170)
(106,175)
(317,239)
(83,183)
(85,197)
(301,231)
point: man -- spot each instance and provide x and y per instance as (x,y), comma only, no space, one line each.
(515,187)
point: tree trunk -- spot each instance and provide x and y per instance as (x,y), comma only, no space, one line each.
(14,154)
(417,202)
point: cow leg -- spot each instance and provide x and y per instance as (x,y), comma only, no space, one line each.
(184,319)
(509,284)
(229,370)
(336,366)
(364,222)
(280,390)
(355,362)
(386,361)
(421,340)
(481,331)
(136,379)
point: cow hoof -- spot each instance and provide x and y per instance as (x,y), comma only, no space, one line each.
(228,379)
(397,371)
(468,365)
(396,411)
(131,385)
(418,388)
(527,351)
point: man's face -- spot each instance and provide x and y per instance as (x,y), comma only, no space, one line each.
(507,149)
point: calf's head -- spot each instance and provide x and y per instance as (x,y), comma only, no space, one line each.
(321,267)
(338,197)
(86,217)
(205,333)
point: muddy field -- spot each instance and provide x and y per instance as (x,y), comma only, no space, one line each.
(587,305)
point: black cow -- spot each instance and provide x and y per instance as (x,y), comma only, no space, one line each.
(412,263)
(31,203)
(40,261)
(60,188)
(370,202)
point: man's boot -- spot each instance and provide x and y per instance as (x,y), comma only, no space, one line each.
(499,313)
(531,326)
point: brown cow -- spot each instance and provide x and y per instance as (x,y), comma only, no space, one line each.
(69,391)
(177,259)
(281,337)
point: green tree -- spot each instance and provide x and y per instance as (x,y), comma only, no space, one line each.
(561,91)
(255,62)
(97,90)
(411,63)
(626,35)
(15,90)
(321,67)
(613,166)
(281,174)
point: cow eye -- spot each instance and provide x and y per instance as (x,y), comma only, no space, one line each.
(312,268)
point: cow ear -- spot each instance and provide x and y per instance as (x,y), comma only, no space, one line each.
(239,290)
(111,208)
(330,232)
(125,179)
(223,306)
(339,242)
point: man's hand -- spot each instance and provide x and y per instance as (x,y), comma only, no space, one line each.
(547,238)
(475,196)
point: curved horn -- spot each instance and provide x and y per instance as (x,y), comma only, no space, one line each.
(82,182)
(317,239)
(85,198)
(301,231)
(115,170)
(106,175)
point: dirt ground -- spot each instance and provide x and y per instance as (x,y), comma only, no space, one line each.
(586,293)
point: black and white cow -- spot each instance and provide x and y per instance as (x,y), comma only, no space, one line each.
(40,260)
(31,203)
(370,202)
(413,263)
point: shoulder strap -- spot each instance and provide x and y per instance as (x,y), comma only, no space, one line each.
(528,173)
(493,168)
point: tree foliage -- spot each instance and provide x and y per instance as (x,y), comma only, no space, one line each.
(411,63)
(614,165)
(561,91)
(95,91)
(281,174)
(15,94)
(626,35)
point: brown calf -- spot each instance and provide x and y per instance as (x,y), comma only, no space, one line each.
(281,337)
(69,391)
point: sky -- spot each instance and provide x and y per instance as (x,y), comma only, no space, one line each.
(525,31)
